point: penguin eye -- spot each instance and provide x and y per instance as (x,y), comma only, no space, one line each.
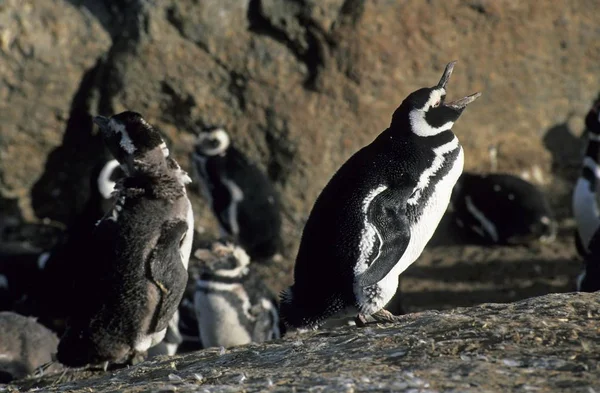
(436,104)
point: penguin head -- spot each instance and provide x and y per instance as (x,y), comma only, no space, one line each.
(592,119)
(129,137)
(427,111)
(212,141)
(223,260)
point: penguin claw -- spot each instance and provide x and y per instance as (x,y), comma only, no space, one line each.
(381,316)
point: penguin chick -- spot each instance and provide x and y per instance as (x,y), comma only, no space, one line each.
(585,206)
(110,174)
(25,345)
(241,196)
(502,209)
(377,213)
(137,267)
(233,307)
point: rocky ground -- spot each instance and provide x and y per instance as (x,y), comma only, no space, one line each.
(544,344)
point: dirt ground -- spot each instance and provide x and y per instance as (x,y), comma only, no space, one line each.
(452,275)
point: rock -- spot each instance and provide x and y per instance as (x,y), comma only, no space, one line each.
(25,345)
(548,343)
(45,50)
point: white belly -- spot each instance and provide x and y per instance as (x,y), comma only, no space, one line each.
(420,234)
(149,340)
(186,248)
(586,212)
(218,321)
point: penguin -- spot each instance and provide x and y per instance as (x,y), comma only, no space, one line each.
(136,264)
(501,208)
(170,343)
(25,345)
(241,196)
(376,214)
(585,205)
(233,306)
(107,179)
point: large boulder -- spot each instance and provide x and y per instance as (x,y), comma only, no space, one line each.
(46,49)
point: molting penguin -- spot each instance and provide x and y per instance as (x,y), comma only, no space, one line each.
(585,206)
(110,174)
(375,216)
(502,209)
(25,345)
(241,196)
(137,267)
(233,306)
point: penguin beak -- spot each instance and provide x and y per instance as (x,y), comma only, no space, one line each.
(101,121)
(446,77)
(460,104)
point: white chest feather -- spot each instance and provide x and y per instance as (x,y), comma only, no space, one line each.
(585,206)
(145,341)
(186,248)
(421,231)
(232,210)
(219,320)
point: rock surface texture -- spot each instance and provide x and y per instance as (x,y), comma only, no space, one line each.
(545,344)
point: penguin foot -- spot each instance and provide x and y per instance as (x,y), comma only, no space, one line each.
(385,316)
(381,316)
(39,372)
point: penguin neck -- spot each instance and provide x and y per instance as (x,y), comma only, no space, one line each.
(403,126)
(210,277)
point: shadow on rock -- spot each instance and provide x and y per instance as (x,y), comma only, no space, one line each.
(63,189)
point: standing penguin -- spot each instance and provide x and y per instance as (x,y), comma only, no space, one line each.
(241,196)
(137,262)
(375,216)
(233,306)
(107,179)
(585,206)
(502,209)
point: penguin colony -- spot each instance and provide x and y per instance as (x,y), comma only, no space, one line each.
(147,287)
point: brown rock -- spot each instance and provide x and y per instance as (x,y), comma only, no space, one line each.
(544,344)
(46,47)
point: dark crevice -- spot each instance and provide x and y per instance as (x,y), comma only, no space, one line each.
(180,105)
(351,12)
(113,15)
(311,50)
(282,150)
(237,88)
(174,18)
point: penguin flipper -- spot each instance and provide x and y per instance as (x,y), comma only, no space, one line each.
(168,273)
(391,223)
